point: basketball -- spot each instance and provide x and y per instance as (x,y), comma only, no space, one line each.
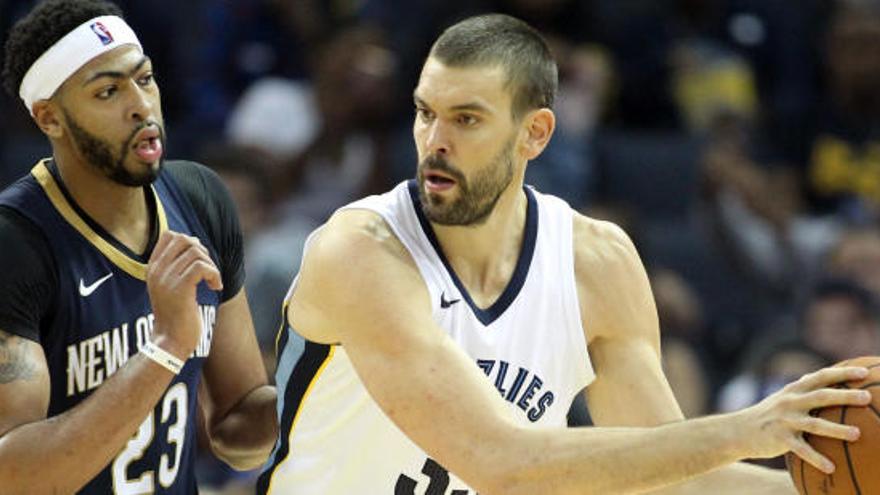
(857,463)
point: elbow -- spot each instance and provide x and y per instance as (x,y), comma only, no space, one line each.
(244,437)
(242,463)
(239,458)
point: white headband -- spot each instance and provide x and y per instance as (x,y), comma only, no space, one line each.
(67,55)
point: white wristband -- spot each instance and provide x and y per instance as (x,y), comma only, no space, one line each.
(164,359)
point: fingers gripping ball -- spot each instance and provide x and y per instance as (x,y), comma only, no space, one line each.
(857,463)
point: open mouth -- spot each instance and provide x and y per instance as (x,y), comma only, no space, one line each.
(148,145)
(438,180)
(149,149)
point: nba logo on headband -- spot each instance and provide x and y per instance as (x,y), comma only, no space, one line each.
(70,53)
(102,32)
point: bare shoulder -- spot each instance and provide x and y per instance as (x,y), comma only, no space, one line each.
(361,234)
(601,248)
(355,266)
(613,287)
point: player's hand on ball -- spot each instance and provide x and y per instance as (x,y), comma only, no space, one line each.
(176,267)
(776,424)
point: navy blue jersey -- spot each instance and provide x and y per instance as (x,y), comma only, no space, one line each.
(100,315)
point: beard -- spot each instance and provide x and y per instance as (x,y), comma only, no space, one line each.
(99,154)
(477,196)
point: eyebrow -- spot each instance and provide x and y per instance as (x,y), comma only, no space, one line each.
(115,74)
(467,107)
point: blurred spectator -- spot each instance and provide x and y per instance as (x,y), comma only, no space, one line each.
(355,80)
(841,153)
(709,81)
(411,26)
(687,377)
(566,168)
(770,37)
(842,321)
(261,119)
(683,333)
(273,246)
(678,306)
(757,212)
(839,320)
(856,256)
(244,41)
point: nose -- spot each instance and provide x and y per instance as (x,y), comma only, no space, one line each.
(437,139)
(141,105)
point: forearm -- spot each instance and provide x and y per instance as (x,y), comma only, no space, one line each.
(62,453)
(736,479)
(244,437)
(620,460)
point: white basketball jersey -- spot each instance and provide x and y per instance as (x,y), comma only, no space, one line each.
(530,344)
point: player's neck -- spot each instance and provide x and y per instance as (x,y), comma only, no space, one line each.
(484,256)
(120,210)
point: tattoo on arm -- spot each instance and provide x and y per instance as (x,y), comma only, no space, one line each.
(14,363)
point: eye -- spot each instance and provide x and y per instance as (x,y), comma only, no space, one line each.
(146,79)
(106,93)
(467,120)
(424,114)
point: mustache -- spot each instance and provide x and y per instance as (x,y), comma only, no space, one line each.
(439,164)
(143,125)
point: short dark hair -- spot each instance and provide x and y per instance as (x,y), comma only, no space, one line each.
(42,27)
(509,43)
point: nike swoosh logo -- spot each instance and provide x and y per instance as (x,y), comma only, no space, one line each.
(444,303)
(86,291)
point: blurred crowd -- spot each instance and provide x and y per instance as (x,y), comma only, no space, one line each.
(736,141)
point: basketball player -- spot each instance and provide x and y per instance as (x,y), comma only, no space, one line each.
(410,300)
(121,280)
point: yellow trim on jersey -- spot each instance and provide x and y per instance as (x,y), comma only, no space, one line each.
(283,326)
(302,403)
(131,266)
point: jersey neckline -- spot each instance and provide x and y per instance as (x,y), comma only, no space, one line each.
(517,280)
(133,264)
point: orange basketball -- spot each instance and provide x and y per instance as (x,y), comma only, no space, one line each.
(857,463)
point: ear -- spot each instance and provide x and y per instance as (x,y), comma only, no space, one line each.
(538,127)
(48,119)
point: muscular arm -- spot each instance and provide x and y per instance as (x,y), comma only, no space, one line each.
(239,405)
(360,288)
(62,453)
(620,320)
